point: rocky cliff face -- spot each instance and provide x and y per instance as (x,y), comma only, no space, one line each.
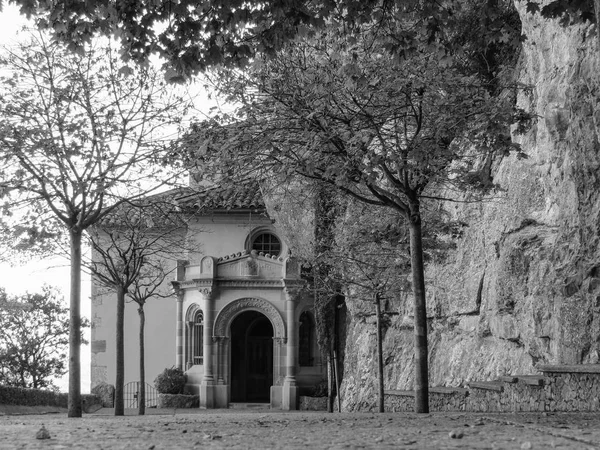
(523,285)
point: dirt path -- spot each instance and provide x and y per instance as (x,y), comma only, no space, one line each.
(234,429)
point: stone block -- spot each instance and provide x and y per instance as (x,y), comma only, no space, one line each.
(207,396)
(312,403)
(178,401)
(90,403)
(289,397)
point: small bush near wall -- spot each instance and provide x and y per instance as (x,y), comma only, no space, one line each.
(106,393)
(170,381)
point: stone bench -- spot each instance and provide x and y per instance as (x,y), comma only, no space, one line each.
(440,390)
(560,388)
(487,385)
(531,380)
(572,368)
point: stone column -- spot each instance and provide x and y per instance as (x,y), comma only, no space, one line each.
(279,343)
(207,387)
(220,359)
(179,329)
(209,313)
(292,343)
(189,352)
(221,389)
(290,390)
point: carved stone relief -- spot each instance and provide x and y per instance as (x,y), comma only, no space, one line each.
(292,268)
(250,266)
(208,292)
(207,266)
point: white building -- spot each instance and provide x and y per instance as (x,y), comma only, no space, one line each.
(240,321)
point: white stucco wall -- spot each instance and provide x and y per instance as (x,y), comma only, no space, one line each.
(220,235)
(159,336)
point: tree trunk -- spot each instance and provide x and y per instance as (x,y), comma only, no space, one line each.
(334,352)
(120,376)
(142,390)
(337,381)
(379,351)
(325,305)
(420,310)
(330,383)
(597,11)
(74,402)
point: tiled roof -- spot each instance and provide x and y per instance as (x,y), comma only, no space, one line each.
(230,198)
(244,196)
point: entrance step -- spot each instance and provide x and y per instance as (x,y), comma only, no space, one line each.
(252,406)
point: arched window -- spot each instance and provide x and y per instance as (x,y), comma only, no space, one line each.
(306,343)
(195,340)
(266,243)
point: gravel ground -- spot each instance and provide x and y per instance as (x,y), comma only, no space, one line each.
(263,429)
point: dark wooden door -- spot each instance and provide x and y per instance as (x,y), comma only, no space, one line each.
(259,365)
(251,358)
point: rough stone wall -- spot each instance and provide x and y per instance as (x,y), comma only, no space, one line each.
(404,401)
(560,392)
(523,285)
(572,392)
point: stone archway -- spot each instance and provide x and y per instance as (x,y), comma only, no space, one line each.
(273,334)
(228,313)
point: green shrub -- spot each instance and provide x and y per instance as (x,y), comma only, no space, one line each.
(10,395)
(170,381)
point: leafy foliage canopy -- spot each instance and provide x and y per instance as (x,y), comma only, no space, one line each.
(192,36)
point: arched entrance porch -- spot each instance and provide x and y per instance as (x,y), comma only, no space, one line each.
(251,357)
(283,391)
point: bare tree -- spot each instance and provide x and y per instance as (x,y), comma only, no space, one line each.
(134,249)
(148,285)
(80,134)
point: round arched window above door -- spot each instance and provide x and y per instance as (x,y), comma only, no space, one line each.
(267,243)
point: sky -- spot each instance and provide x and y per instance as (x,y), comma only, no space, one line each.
(11,21)
(54,271)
